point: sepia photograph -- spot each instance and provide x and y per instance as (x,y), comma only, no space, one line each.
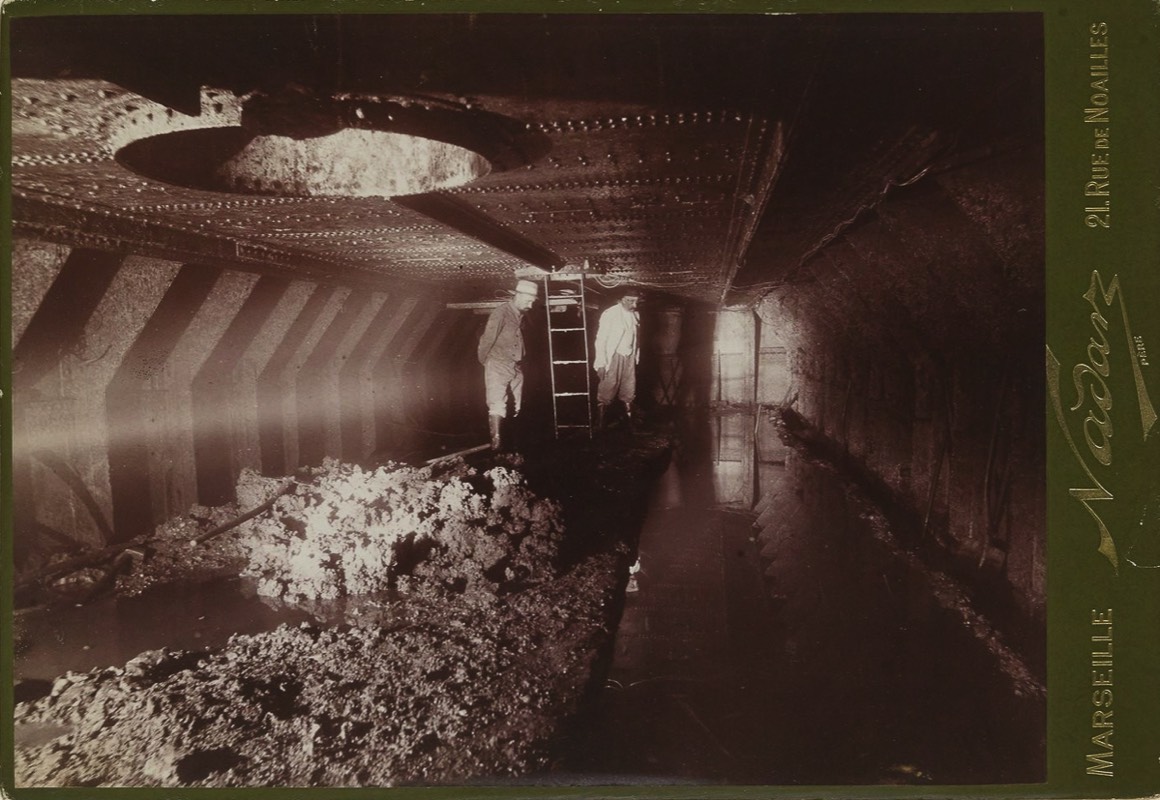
(529,400)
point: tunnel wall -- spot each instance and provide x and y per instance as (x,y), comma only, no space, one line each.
(916,350)
(143,387)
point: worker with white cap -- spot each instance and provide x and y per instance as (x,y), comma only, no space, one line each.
(501,349)
(617,354)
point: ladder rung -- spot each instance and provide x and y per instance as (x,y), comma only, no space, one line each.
(564,276)
(561,330)
(576,361)
(570,394)
(573,426)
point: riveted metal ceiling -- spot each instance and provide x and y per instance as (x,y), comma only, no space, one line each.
(705,156)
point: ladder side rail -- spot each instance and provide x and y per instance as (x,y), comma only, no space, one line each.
(551,352)
(587,355)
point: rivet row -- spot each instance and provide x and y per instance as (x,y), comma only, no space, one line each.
(629,121)
(692,180)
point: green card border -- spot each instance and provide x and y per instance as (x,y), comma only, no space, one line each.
(1080,580)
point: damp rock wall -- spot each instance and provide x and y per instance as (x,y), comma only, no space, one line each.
(915,351)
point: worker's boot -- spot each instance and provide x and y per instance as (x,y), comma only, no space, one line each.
(493,424)
(600,409)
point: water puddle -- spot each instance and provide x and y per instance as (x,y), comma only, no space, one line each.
(112,630)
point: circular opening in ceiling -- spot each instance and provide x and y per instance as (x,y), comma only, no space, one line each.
(350,162)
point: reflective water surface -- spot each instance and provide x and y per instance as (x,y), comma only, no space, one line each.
(813,655)
(110,631)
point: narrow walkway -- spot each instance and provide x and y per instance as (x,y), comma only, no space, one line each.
(819,658)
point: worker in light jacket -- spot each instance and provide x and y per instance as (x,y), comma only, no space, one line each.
(617,354)
(501,349)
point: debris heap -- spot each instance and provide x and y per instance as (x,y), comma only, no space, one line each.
(439,689)
(474,640)
(350,532)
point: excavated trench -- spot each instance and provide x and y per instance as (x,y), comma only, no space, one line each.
(376,627)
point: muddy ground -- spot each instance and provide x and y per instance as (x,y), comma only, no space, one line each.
(476,607)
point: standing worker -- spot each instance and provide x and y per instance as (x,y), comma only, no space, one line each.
(617,354)
(501,349)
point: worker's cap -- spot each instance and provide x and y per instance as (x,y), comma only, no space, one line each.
(631,291)
(527,287)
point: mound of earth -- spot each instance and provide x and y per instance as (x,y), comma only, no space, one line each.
(485,613)
(436,690)
(349,531)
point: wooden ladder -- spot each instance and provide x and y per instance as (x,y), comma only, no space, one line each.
(566,310)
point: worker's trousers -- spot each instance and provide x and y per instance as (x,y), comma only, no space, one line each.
(619,381)
(498,377)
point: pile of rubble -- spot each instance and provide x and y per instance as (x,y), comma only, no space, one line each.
(479,639)
(435,690)
(169,555)
(341,531)
(349,531)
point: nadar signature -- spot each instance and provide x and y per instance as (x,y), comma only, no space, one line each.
(1093,396)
